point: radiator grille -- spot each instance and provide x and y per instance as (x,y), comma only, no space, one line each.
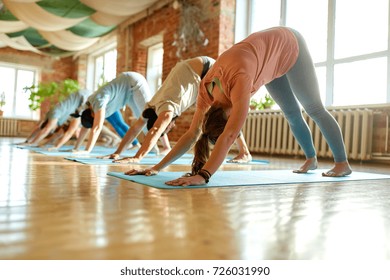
(268,132)
(8,127)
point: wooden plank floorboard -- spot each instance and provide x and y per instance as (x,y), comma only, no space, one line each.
(52,208)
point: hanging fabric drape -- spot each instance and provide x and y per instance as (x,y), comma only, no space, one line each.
(35,16)
(118,7)
(19,43)
(58,27)
(67,40)
(8,26)
(107,19)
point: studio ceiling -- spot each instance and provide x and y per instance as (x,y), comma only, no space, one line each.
(62,27)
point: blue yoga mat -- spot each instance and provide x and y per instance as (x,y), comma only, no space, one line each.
(31,148)
(66,151)
(248,178)
(150,160)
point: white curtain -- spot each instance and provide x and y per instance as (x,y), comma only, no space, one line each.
(107,19)
(53,28)
(119,7)
(67,40)
(8,26)
(19,43)
(40,19)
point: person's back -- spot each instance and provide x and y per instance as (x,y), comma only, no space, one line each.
(121,92)
(69,105)
(180,89)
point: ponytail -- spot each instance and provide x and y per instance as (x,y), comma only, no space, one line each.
(213,125)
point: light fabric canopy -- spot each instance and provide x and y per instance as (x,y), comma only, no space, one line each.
(66,40)
(7,26)
(19,43)
(119,7)
(107,19)
(35,16)
(67,25)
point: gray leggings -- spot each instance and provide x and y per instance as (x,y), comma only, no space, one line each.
(300,84)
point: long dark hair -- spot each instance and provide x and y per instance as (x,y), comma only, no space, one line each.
(213,125)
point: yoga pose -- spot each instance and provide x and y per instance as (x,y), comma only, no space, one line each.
(178,92)
(279,59)
(129,88)
(57,116)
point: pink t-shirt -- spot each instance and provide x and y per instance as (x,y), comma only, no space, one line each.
(251,63)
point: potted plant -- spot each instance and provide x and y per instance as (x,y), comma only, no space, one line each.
(53,92)
(265,102)
(2,103)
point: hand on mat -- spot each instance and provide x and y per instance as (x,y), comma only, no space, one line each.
(146,172)
(52,149)
(127,160)
(80,152)
(187,181)
(112,156)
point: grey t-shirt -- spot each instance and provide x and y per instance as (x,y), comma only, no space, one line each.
(129,88)
(68,106)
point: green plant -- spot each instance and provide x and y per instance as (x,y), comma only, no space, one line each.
(2,100)
(53,92)
(102,81)
(265,102)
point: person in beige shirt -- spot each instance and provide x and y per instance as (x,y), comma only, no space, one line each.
(178,92)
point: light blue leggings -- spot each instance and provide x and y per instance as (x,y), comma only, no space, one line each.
(120,126)
(300,84)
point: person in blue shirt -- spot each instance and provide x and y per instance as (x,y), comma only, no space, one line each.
(128,89)
(58,115)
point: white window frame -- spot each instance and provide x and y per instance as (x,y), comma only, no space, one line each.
(243,29)
(154,67)
(92,79)
(34,115)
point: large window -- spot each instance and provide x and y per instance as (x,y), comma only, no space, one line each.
(102,67)
(13,78)
(348,40)
(154,67)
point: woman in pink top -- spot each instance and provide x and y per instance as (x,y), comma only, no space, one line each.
(279,59)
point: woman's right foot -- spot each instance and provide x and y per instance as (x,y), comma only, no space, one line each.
(244,158)
(310,164)
(340,169)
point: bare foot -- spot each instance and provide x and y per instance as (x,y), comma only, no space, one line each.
(164,152)
(155,150)
(310,164)
(134,147)
(244,158)
(340,169)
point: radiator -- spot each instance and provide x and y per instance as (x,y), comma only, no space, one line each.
(268,132)
(8,127)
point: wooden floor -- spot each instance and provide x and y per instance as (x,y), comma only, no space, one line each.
(52,208)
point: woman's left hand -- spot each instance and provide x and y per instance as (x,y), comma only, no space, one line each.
(127,160)
(187,181)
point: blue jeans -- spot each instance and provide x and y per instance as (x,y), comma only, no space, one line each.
(120,126)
